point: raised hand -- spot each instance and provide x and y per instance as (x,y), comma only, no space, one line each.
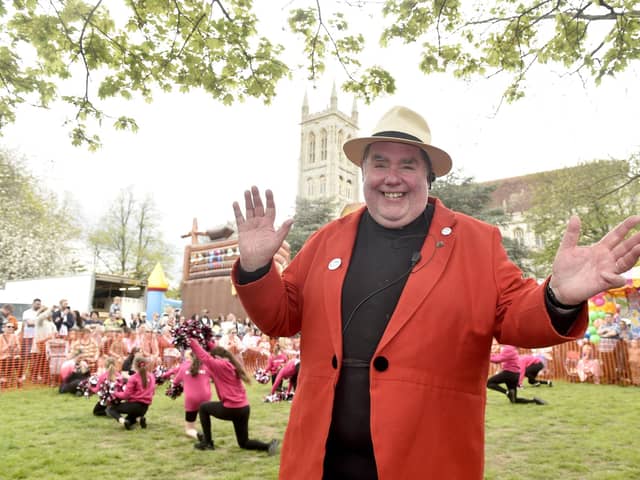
(578,273)
(258,240)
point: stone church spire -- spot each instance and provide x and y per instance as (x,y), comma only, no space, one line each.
(305,105)
(354,111)
(334,97)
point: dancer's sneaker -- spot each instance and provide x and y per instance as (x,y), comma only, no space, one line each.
(204,445)
(273,447)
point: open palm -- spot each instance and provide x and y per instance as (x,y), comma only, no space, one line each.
(579,272)
(258,239)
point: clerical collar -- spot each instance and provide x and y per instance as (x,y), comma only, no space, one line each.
(418,226)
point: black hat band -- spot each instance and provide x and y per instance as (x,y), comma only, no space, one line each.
(394,134)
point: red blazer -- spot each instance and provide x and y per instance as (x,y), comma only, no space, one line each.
(428,374)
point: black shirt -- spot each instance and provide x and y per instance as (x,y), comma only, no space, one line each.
(378,271)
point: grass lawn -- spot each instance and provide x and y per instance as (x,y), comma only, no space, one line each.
(585,432)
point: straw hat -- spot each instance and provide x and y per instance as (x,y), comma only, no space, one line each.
(401,125)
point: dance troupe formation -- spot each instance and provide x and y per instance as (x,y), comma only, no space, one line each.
(127,395)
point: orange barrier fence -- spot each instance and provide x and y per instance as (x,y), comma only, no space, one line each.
(611,361)
(22,364)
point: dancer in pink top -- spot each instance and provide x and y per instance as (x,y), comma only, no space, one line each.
(138,394)
(196,381)
(510,375)
(276,361)
(110,375)
(530,367)
(290,371)
(228,376)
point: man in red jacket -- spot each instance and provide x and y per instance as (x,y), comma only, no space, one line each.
(397,305)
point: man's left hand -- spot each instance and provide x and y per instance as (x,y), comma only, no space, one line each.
(579,272)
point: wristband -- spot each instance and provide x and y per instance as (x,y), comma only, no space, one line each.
(557,303)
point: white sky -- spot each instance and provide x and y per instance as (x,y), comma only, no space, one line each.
(197,156)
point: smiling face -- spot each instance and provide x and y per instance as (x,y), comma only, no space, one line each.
(395,183)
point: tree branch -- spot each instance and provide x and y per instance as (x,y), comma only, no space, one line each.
(82,51)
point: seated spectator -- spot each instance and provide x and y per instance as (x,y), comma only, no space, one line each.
(588,365)
(231,342)
(94,319)
(625,332)
(149,348)
(57,351)
(79,319)
(608,329)
(265,344)
(10,360)
(88,350)
(250,339)
(112,323)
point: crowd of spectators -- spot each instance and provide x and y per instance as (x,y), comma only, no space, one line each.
(34,348)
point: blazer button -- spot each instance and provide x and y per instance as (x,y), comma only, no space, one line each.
(334,362)
(380,363)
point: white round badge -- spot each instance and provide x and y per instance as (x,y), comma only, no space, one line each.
(446,231)
(335,263)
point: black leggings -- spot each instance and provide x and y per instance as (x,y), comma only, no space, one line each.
(294,378)
(70,385)
(510,379)
(191,416)
(99,410)
(240,419)
(133,410)
(532,372)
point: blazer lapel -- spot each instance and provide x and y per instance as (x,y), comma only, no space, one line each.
(435,253)
(339,247)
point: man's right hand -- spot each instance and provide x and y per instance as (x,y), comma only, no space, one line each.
(258,240)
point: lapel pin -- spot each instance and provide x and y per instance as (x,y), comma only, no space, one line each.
(446,231)
(335,263)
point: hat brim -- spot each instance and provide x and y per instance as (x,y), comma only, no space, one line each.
(440,160)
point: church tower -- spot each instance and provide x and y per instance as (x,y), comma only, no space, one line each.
(323,169)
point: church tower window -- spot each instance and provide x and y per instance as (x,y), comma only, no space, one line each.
(323,145)
(312,148)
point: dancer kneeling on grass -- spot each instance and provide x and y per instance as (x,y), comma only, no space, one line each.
(138,394)
(109,376)
(228,376)
(530,367)
(510,375)
(196,380)
(289,371)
